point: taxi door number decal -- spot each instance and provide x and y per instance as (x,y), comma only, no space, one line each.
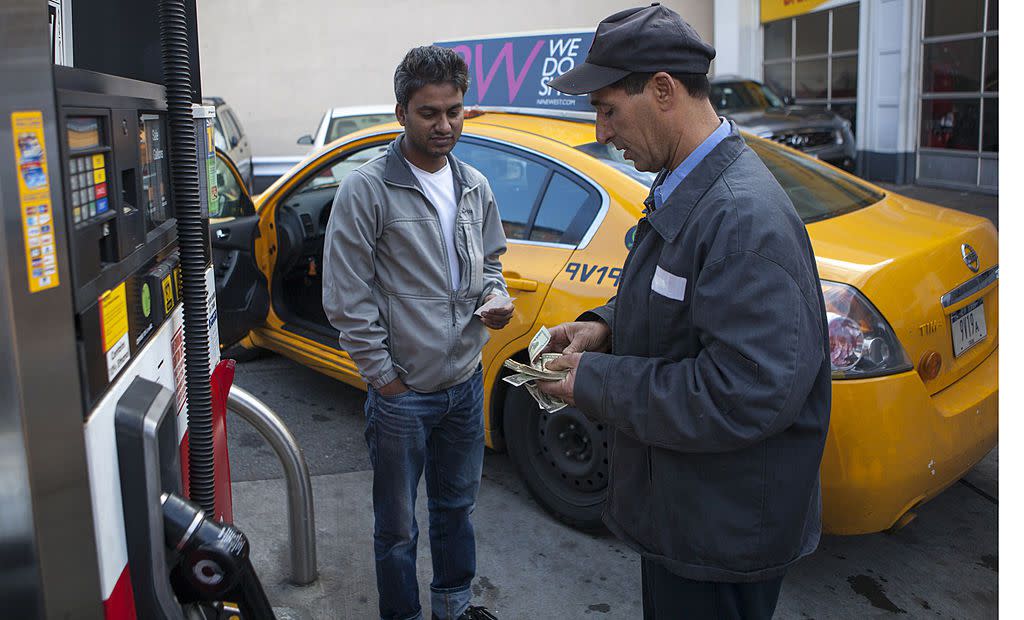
(586,272)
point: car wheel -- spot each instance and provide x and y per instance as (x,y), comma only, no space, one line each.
(562,457)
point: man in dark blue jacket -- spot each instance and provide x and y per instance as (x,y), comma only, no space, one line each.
(712,362)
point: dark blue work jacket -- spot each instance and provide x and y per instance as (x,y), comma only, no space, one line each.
(718,385)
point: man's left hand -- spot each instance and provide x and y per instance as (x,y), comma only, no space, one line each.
(562,389)
(497,318)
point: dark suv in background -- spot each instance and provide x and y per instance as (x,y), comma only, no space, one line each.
(754,107)
(229,136)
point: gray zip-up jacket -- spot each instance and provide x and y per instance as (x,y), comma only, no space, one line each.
(387,283)
(718,385)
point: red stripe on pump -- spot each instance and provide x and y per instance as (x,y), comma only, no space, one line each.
(121,604)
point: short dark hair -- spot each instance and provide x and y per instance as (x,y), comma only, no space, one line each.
(429,64)
(696,84)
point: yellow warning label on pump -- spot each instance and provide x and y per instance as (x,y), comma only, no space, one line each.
(97,160)
(114,329)
(99,175)
(37,218)
(114,315)
(168,288)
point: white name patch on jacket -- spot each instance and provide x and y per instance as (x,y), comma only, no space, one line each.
(668,284)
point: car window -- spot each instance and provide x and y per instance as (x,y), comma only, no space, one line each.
(347,124)
(332,175)
(818,192)
(228,199)
(742,96)
(565,212)
(219,139)
(228,127)
(614,158)
(516,182)
(234,121)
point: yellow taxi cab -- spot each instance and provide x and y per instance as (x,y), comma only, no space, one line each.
(911,290)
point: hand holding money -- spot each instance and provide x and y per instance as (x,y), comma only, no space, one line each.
(562,390)
(496,311)
(529,375)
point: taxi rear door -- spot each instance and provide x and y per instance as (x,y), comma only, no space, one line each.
(243,298)
(546,211)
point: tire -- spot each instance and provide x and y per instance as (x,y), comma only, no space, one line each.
(571,487)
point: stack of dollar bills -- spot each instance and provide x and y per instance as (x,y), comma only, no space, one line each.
(537,371)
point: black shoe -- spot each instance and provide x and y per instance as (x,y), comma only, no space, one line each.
(473,612)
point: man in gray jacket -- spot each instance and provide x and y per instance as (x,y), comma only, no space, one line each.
(712,363)
(412,251)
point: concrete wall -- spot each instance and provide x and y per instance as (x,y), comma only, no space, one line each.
(281,64)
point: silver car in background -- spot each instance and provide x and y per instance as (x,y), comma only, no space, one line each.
(754,107)
(335,123)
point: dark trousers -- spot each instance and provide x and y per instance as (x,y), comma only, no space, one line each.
(669,596)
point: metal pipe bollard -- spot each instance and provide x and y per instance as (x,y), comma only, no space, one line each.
(301,526)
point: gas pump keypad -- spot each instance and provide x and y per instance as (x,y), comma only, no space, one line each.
(88,187)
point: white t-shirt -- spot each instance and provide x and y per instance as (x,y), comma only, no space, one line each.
(440,189)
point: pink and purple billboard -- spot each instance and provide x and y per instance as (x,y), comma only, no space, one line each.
(514,70)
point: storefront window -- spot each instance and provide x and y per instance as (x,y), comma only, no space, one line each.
(992,65)
(844,77)
(779,77)
(990,132)
(952,66)
(950,124)
(812,79)
(813,58)
(778,40)
(812,34)
(845,28)
(960,79)
(948,17)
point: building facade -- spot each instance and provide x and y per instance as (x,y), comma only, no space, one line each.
(281,65)
(918,79)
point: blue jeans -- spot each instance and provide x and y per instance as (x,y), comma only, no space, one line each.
(442,432)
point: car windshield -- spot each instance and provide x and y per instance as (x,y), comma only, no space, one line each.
(743,95)
(818,192)
(347,124)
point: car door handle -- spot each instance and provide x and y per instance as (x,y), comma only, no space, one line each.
(521,284)
(222,234)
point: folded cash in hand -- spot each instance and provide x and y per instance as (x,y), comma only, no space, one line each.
(537,371)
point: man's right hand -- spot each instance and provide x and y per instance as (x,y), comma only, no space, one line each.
(394,388)
(579,337)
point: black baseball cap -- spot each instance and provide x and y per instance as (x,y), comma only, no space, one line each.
(641,40)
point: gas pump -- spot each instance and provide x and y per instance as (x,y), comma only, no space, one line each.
(108,320)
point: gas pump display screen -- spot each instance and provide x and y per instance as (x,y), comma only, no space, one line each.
(155,181)
(83,132)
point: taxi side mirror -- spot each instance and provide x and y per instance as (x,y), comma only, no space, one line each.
(306,139)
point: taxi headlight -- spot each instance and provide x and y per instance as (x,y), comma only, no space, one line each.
(861,342)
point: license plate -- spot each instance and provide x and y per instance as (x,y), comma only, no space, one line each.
(968,326)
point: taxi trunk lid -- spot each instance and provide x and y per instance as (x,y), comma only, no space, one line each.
(907,258)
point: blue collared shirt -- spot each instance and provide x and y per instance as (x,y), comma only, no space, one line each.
(672,181)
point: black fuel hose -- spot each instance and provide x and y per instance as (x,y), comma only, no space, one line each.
(174,47)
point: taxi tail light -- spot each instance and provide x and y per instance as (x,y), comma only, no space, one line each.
(861,342)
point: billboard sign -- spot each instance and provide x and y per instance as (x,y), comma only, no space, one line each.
(513,71)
